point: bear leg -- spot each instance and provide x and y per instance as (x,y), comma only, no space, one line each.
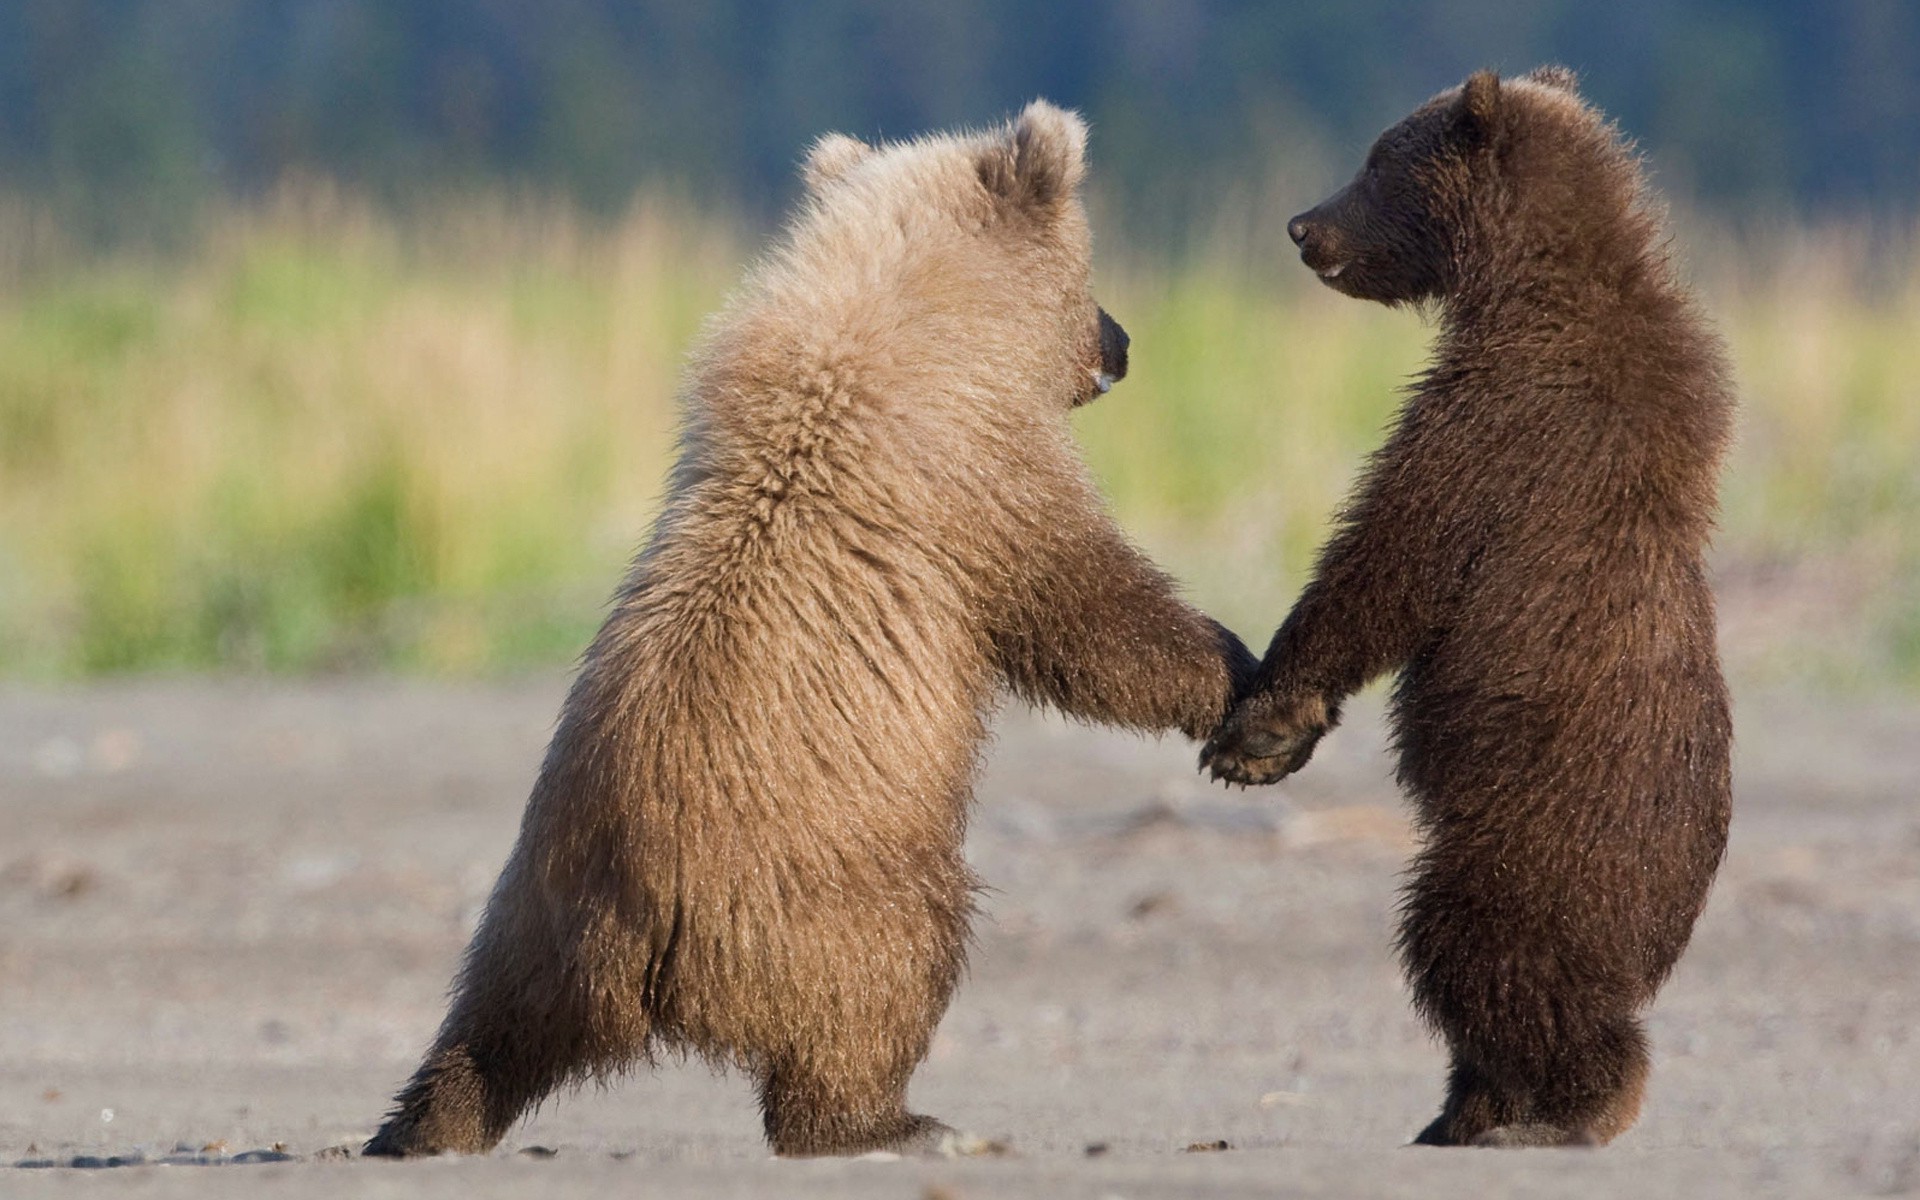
(842,1086)
(1584,1094)
(853,1031)
(522,1023)
(811,1114)
(460,1101)
(1535,994)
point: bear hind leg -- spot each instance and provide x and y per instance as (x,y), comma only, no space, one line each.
(839,1084)
(810,1114)
(523,1023)
(850,1033)
(1587,1095)
(462,1100)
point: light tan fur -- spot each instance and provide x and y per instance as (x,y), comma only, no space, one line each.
(745,840)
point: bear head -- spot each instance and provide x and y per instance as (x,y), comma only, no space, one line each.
(1461,172)
(977,244)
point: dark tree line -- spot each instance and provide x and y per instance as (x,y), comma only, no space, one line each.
(132,106)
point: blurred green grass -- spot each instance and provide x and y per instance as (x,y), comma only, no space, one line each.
(333,438)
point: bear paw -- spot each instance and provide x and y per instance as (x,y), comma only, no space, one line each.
(1517,1135)
(1268,738)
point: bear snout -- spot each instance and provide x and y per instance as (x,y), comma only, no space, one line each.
(1320,245)
(1106,361)
(1113,348)
(1309,232)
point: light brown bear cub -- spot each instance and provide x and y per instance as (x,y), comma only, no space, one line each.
(1527,551)
(745,840)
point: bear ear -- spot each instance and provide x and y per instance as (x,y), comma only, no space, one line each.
(1474,111)
(830,158)
(1042,159)
(1554,75)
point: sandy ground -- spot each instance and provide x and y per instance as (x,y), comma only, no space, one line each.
(228,914)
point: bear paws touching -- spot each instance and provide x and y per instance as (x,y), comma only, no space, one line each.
(1268,736)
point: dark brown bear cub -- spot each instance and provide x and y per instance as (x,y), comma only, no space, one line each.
(1526,551)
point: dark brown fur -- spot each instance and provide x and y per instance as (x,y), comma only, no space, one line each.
(745,840)
(1526,551)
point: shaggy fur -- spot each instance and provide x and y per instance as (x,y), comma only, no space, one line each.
(1526,551)
(745,840)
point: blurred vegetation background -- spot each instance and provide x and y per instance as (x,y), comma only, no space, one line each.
(338,334)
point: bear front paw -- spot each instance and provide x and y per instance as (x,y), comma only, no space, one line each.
(1267,738)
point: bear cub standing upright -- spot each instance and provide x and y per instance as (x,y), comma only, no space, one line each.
(1527,551)
(745,840)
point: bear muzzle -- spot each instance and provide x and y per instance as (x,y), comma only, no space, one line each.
(1113,354)
(1106,358)
(1318,247)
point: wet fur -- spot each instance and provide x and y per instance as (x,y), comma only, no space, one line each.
(745,840)
(1526,551)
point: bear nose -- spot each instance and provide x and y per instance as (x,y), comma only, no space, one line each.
(1297,229)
